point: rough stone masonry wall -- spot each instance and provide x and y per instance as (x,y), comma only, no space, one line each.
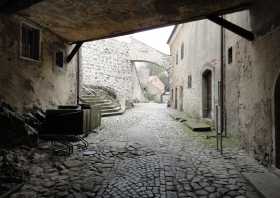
(106,63)
(110,63)
(24,84)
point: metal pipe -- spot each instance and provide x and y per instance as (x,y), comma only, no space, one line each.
(217,125)
(78,78)
(222,90)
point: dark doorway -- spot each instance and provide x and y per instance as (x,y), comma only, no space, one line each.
(181,98)
(176,98)
(207,94)
(277,123)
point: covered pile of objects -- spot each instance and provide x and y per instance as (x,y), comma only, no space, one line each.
(16,130)
(19,129)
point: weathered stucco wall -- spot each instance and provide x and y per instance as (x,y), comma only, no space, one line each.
(249,79)
(201,52)
(232,71)
(255,68)
(23,83)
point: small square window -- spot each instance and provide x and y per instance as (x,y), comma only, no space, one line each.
(59,59)
(30,42)
(189,81)
(230,55)
(182,51)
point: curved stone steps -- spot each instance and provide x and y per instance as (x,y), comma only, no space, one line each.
(106,106)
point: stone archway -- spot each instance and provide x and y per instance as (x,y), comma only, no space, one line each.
(207,94)
(277,122)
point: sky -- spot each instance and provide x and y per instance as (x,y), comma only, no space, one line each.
(156,38)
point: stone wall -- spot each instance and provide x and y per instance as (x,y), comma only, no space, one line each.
(106,63)
(110,63)
(139,51)
(26,83)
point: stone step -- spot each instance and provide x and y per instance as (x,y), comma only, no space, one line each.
(97,101)
(267,183)
(102,104)
(89,96)
(110,110)
(107,106)
(120,112)
(198,126)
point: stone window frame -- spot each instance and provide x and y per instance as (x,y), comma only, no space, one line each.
(182,50)
(21,56)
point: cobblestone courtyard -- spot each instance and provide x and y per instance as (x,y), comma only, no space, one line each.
(143,153)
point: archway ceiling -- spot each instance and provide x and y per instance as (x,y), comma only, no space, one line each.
(83,20)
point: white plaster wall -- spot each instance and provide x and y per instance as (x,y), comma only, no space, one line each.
(202,51)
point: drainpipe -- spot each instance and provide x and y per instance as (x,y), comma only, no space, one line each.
(222,90)
(78,78)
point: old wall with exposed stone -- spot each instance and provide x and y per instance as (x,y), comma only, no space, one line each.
(255,69)
(111,63)
(24,83)
(106,63)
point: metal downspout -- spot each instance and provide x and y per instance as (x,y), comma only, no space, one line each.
(222,90)
(78,78)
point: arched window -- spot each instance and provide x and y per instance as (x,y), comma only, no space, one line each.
(182,51)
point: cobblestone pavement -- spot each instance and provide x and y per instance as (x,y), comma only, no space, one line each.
(143,153)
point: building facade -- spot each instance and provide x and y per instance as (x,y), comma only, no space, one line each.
(33,71)
(251,77)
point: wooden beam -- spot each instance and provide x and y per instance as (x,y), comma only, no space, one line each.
(232,27)
(13,6)
(74,51)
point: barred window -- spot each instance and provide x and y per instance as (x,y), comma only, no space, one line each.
(30,42)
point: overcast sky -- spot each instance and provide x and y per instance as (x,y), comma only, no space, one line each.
(156,38)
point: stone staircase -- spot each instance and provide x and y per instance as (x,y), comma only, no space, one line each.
(107,106)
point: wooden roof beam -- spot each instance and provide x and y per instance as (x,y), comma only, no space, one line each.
(74,51)
(232,27)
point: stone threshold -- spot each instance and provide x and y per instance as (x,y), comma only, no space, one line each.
(267,183)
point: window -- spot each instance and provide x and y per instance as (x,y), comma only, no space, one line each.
(189,81)
(30,42)
(182,51)
(59,59)
(230,55)
(177,58)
